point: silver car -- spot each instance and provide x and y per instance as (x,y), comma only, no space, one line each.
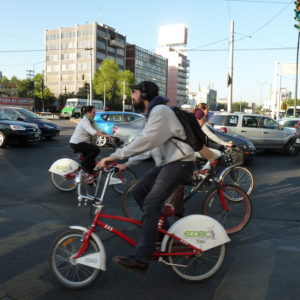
(127,132)
(264,132)
(289,122)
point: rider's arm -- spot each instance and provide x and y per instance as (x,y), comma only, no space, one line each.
(212,136)
(86,125)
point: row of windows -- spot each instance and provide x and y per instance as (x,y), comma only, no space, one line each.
(150,75)
(152,68)
(68,67)
(69,34)
(252,122)
(67,77)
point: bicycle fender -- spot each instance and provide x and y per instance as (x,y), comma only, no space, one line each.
(201,231)
(64,166)
(102,254)
(221,176)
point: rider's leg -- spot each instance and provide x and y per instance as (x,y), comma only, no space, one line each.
(90,152)
(168,179)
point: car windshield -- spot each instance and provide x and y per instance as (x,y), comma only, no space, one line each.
(3,116)
(28,114)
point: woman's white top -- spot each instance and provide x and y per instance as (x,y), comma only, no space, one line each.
(83,132)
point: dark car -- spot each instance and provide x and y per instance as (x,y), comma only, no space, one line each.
(246,146)
(48,129)
(16,132)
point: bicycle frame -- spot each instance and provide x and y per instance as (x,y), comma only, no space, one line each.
(129,240)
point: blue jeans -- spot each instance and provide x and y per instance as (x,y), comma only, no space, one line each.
(154,188)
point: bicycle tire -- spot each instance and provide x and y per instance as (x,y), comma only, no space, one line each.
(198,267)
(128,176)
(239,213)
(129,206)
(62,183)
(64,269)
(240,176)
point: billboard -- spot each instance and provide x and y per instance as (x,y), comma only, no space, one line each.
(16,101)
(171,35)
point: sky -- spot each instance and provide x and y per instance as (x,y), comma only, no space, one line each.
(264,33)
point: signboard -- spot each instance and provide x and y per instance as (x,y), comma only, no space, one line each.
(172,35)
(16,101)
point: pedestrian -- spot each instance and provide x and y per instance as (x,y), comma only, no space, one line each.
(174,162)
(83,138)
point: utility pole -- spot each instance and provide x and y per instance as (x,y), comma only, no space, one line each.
(296,83)
(230,70)
(91,74)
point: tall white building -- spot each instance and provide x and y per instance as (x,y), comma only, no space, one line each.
(172,38)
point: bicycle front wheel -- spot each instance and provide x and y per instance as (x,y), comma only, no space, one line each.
(63,183)
(66,270)
(195,267)
(126,177)
(241,177)
(130,207)
(239,212)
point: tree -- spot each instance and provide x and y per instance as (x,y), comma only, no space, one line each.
(239,106)
(109,80)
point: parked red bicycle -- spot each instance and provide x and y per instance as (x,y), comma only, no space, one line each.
(194,246)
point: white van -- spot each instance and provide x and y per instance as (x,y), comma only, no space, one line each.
(73,106)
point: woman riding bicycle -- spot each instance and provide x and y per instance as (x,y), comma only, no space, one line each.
(81,141)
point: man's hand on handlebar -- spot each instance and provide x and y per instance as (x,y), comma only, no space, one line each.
(104,161)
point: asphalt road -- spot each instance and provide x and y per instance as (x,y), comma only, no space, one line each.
(262,261)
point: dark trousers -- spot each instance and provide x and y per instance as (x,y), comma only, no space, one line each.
(89,152)
(154,188)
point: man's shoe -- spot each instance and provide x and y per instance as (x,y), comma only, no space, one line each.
(130,264)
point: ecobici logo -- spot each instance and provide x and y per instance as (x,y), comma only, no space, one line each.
(63,168)
(201,234)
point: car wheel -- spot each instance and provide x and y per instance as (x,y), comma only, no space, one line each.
(101,141)
(290,149)
(2,140)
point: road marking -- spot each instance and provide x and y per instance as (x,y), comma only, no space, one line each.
(27,285)
(240,281)
(25,237)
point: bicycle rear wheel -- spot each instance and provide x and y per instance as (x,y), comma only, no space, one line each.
(63,183)
(129,206)
(195,267)
(239,212)
(127,176)
(241,177)
(66,270)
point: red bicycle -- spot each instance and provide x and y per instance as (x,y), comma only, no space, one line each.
(194,246)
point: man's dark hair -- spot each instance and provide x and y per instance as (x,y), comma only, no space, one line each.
(148,89)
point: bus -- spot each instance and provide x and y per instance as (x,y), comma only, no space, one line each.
(73,106)
(290,112)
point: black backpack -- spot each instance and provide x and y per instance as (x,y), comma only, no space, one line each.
(194,134)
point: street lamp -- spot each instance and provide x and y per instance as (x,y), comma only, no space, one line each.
(91,74)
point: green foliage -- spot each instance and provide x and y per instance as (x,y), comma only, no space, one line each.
(109,80)
(239,106)
(289,102)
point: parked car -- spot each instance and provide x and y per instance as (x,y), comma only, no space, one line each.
(127,133)
(16,132)
(106,121)
(48,129)
(289,122)
(264,132)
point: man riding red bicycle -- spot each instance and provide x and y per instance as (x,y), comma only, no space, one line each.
(174,160)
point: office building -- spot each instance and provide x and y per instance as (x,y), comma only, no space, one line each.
(146,65)
(74,54)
